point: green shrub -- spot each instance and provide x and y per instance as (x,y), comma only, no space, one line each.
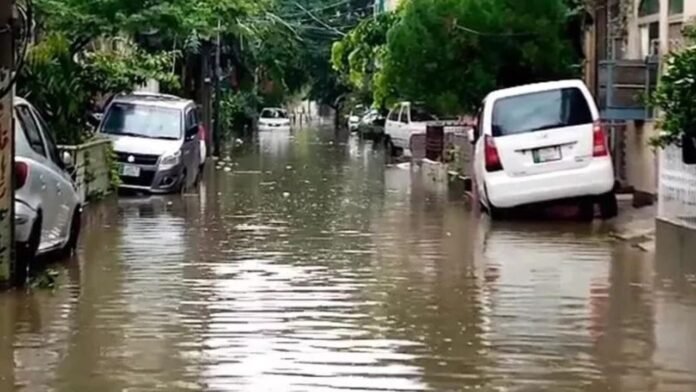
(675,97)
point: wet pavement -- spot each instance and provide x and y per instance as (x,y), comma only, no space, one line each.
(307,265)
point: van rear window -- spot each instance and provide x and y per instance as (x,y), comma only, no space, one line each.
(540,111)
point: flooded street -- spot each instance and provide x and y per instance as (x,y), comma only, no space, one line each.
(307,265)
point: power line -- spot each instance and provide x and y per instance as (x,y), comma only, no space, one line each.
(486,34)
(341,2)
(321,22)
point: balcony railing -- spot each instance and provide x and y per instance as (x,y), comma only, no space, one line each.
(624,86)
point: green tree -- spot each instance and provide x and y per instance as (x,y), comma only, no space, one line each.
(450,53)
(675,96)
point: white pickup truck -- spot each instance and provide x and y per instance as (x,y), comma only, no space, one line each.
(403,121)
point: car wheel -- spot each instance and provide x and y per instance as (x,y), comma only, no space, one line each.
(608,205)
(26,253)
(75,228)
(389,147)
(586,210)
(496,213)
(181,187)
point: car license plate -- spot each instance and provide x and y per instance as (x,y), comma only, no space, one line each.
(130,171)
(547,154)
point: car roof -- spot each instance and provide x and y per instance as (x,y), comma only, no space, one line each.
(535,87)
(155,99)
(280,109)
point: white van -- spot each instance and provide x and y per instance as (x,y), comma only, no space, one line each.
(543,142)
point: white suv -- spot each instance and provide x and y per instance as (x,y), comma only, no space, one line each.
(543,142)
(403,121)
(47,206)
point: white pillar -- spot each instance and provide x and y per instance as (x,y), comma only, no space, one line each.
(664,27)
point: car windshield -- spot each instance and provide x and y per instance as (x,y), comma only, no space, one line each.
(143,121)
(421,114)
(540,111)
(274,113)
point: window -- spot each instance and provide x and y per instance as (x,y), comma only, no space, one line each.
(676,7)
(31,129)
(50,141)
(421,114)
(191,119)
(145,121)
(404,114)
(650,39)
(648,7)
(394,115)
(540,111)
(274,113)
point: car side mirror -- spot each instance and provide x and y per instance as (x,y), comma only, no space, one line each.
(95,119)
(192,132)
(67,159)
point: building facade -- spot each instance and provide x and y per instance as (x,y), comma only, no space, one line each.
(626,48)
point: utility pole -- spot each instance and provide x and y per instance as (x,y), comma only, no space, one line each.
(7,265)
(216,121)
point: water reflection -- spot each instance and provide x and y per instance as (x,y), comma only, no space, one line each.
(310,266)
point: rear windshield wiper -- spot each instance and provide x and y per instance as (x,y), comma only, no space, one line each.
(547,127)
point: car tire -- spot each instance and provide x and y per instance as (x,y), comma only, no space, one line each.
(26,253)
(496,213)
(75,229)
(608,205)
(586,210)
(389,147)
(182,186)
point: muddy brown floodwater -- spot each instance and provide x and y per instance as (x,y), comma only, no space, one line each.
(307,265)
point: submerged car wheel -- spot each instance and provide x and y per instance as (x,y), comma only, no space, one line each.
(75,228)
(391,149)
(182,186)
(26,253)
(586,210)
(608,205)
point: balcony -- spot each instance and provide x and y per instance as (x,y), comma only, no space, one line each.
(623,88)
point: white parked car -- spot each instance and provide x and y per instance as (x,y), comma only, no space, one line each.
(403,121)
(202,139)
(355,117)
(47,205)
(156,141)
(539,143)
(274,118)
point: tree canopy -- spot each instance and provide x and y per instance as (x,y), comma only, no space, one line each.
(450,53)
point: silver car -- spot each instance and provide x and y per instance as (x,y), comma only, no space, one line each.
(47,205)
(155,138)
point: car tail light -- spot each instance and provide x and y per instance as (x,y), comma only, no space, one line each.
(21,174)
(599,141)
(493,162)
(201,132)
